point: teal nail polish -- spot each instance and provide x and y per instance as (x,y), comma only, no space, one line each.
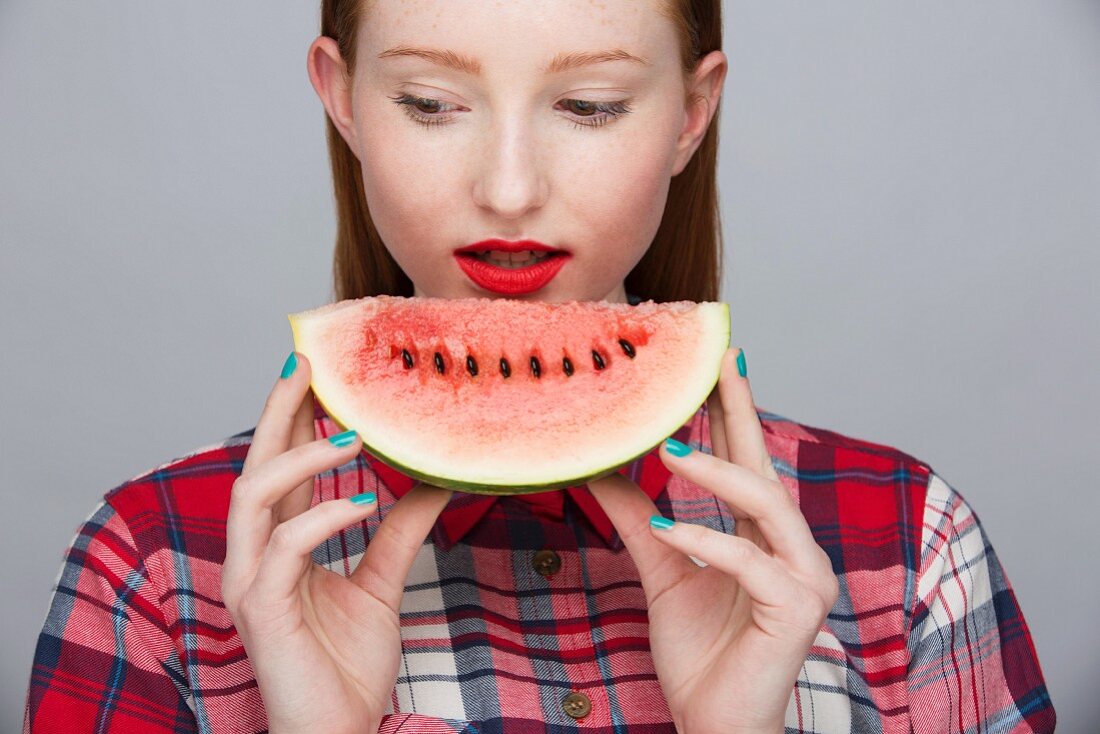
(289,366)
(741,367)
(342,439)
(676,448)
(661,523)
(364,499)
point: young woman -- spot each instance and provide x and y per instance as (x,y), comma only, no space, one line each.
(753,574)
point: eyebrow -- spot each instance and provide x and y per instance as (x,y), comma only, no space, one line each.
(562,62)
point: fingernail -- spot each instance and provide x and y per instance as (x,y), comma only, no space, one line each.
(342,439)
(660,522)
(741,367)
(364,499)
(676,448)
(289,366)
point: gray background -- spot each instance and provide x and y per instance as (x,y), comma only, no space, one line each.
(911,202)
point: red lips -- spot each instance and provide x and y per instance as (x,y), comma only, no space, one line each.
(510,281)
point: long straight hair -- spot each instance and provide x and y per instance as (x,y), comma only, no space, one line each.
(684,260)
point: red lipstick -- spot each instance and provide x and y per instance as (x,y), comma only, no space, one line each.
(510,281)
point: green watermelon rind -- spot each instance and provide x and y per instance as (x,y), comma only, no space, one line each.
(557,484)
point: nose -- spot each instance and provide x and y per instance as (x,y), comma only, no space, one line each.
(511,180)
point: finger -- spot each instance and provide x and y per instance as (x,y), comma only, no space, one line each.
(767,502)
(301,497)
(763,577)
(397,541)
(629,509)
(250,524)
(289,553)
(276,423)
(715,421)
(741,424)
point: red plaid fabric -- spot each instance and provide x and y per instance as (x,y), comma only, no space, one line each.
(927,635)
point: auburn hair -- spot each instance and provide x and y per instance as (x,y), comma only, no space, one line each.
(684,261)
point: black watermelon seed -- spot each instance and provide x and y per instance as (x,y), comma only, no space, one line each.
(627,347)
(597,359)
(439,363)
(408,358)
(567,366)
(504,368)
(535,367)
(471,366)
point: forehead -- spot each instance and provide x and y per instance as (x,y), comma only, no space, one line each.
(514,35)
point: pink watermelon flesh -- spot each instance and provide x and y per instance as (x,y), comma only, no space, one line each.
(491,434)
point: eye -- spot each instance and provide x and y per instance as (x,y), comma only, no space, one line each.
(607,110)
(412,104)
(426,111)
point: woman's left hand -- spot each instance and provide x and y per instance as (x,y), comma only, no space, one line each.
(728,639)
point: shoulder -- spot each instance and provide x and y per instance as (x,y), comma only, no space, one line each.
(186,493)
(849,483)
(858,492)
(821,454)
(806,435)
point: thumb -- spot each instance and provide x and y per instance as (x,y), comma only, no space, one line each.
(660,566)
(390,554)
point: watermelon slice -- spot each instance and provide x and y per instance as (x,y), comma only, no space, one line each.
(501,396)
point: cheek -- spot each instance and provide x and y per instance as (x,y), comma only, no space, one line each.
(402,178)
(623,189)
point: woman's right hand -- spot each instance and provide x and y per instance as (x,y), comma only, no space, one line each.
(325,649)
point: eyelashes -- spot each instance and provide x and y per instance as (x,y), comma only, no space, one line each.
(607,111)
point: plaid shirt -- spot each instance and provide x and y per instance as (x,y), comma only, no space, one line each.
(926,635)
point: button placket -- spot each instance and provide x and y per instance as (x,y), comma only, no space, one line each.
(568,580)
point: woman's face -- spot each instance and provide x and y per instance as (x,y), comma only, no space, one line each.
(578,159)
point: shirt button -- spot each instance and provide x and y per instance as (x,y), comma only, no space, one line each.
(576,705)
(546,562)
